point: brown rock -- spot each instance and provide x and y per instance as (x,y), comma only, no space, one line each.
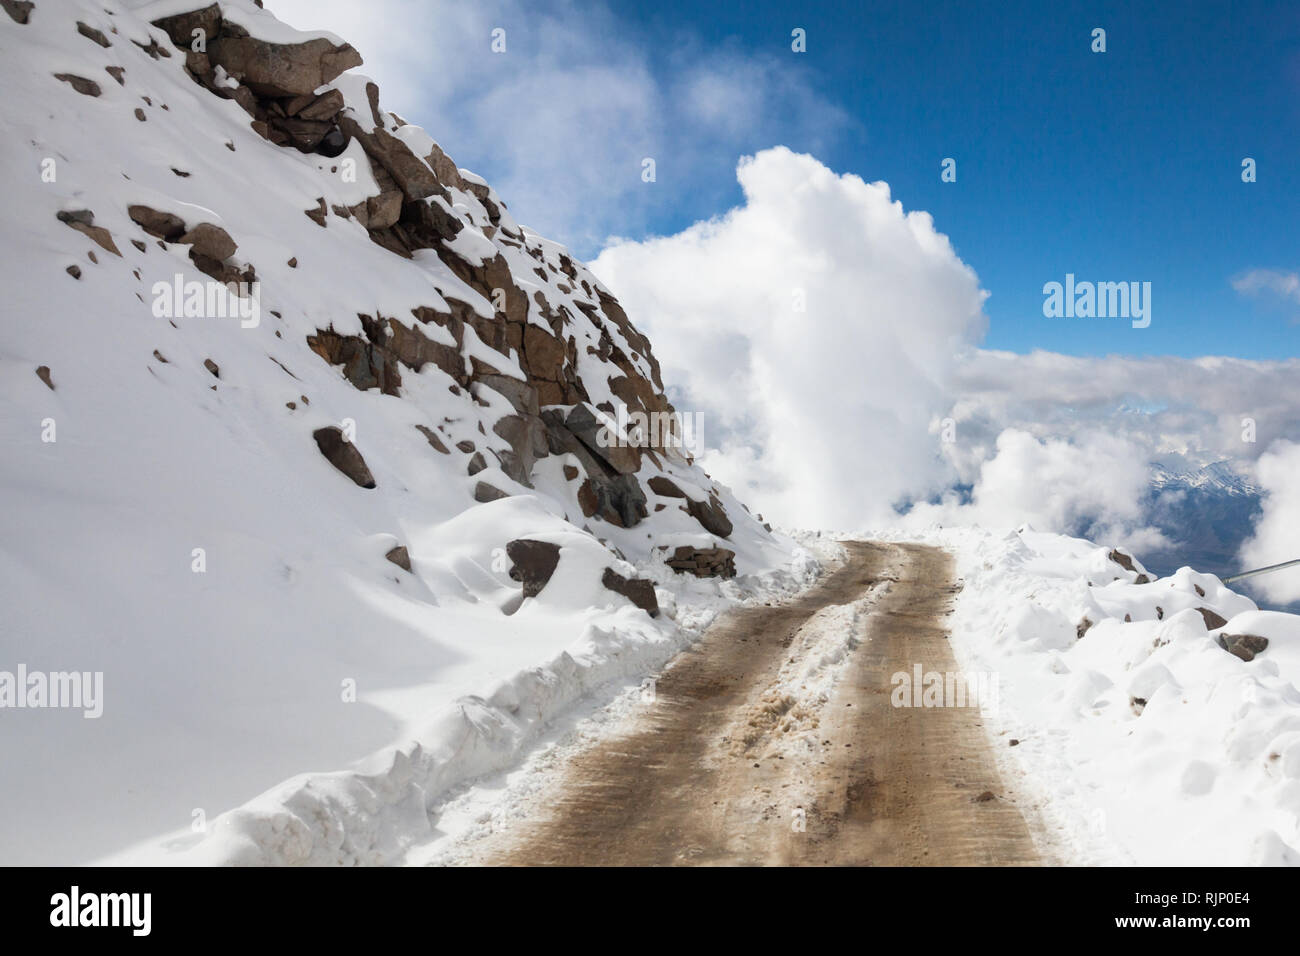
(400,557)
(703,563)
(161,225)
(662,485)
(444,168)
(621,458)
(282,69)
(544,354)
(19,10)
(318,215)
(414,178)
(432,437)
(527,437)
(483,492)
(637,590)
(343,455)
(152,48)
(533,563)
(43,373)
(90,33)
(711,516)
(365,364)
(1245,646)
(180,28)
(209,240)
(413,348)
(82,220)
(1213,621)
(79,83)
(1122,559)
(587,500)
(520,394)
(310,107)
(379,212)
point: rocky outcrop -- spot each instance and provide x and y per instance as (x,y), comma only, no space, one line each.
(285,90)
(280,69)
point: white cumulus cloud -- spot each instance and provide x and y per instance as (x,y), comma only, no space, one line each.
(1275,539)
(1272,282)
(816,328)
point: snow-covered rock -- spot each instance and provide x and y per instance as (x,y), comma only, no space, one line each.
(265,348)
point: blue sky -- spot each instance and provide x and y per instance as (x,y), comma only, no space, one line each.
(1117,166)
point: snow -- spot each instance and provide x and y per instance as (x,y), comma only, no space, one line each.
(1205,772)
(275,691)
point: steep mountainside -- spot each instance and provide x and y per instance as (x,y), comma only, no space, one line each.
(306,440)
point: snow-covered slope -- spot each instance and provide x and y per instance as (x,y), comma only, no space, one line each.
(212,511)
(1121,711)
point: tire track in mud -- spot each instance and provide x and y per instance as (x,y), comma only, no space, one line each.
(737,762)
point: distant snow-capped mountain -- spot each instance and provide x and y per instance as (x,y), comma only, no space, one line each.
(1206,511)
(1217,476)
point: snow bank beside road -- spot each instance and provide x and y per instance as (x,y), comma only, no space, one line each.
(373,812)
(1141,739)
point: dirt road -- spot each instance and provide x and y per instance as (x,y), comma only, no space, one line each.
(730,765)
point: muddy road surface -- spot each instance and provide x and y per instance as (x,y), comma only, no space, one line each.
(774,741)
